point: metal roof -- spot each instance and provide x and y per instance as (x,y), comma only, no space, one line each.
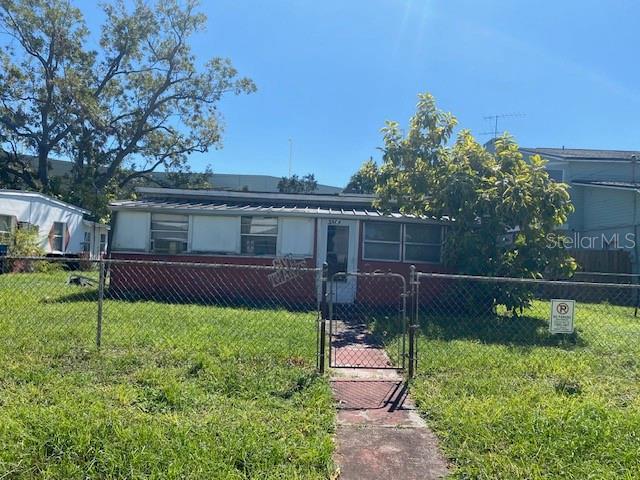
(253,209)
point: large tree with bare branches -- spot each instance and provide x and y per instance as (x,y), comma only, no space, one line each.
(137,102)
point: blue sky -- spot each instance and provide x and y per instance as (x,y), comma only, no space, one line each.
(329,73)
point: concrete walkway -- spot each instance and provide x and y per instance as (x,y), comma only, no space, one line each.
(380,434)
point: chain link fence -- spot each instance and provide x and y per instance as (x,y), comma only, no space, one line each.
(370,331)
(234,311)
(274,313)
(465,327)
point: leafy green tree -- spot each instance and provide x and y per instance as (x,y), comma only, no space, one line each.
(139,103)
(295,184)
(502,207)
(364,180)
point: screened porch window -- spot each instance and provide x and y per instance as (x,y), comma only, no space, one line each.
(258,235)
(169,233)
(382,241)
(422,243)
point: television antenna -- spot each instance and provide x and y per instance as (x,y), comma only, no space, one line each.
(496,118)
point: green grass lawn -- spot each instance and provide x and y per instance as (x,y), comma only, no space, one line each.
(508,400)
(177,391)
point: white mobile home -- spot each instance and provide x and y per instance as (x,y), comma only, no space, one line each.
(63,229)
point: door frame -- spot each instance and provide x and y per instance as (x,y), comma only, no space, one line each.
(344,292)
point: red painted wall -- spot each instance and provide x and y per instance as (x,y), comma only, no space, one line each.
(228,284)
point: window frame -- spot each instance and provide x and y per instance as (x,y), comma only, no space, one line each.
(387,242)
(276,236)
(86,243)
(55,236)
(403,243)
(187,223)
(102,245)
(423,244)
(5,235)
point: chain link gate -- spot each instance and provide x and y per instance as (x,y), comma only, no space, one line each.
(370,332)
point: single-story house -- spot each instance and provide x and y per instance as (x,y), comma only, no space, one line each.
(63,229)
(247,228)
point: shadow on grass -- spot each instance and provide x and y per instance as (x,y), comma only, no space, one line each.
(220,301)
(520,330)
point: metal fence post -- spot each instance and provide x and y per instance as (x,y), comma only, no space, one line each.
(100,302)
(412,350)
(323,319)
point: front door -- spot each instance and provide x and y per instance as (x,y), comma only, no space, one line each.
(338,246)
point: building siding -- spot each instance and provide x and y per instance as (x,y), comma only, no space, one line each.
(606,208)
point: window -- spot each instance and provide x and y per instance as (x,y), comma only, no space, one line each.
(258,235)
(556,175)
(103,242)
(169,233)
(381,241)
(6,224)
(56,238)
(86,242)
(422,243)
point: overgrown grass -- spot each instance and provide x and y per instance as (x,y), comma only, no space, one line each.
(177,391)
(509,400)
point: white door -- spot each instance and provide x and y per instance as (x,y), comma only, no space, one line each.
(338,246)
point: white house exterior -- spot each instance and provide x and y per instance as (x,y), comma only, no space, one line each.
(63,229)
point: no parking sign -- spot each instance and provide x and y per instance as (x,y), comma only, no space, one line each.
(562,316)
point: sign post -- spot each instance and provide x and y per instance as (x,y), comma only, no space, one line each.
(562,316)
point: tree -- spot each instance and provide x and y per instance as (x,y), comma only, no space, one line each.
(140,103)
(364,180)
(295,184)
(489,197)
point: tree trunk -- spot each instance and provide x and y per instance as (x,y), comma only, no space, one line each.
(43,169)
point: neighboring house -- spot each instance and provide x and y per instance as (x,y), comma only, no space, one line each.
(63,229)
(604,187)
(224,227)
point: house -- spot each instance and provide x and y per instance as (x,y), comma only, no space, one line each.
(63,229)
(225,227)
(604,187)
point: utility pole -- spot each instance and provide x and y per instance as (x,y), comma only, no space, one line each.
(290,156)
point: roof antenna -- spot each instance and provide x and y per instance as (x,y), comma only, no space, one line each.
(290,155)
(496,118)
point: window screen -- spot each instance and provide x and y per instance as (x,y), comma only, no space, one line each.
(169,233)
(258,235)
(422,243)
(381,241)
